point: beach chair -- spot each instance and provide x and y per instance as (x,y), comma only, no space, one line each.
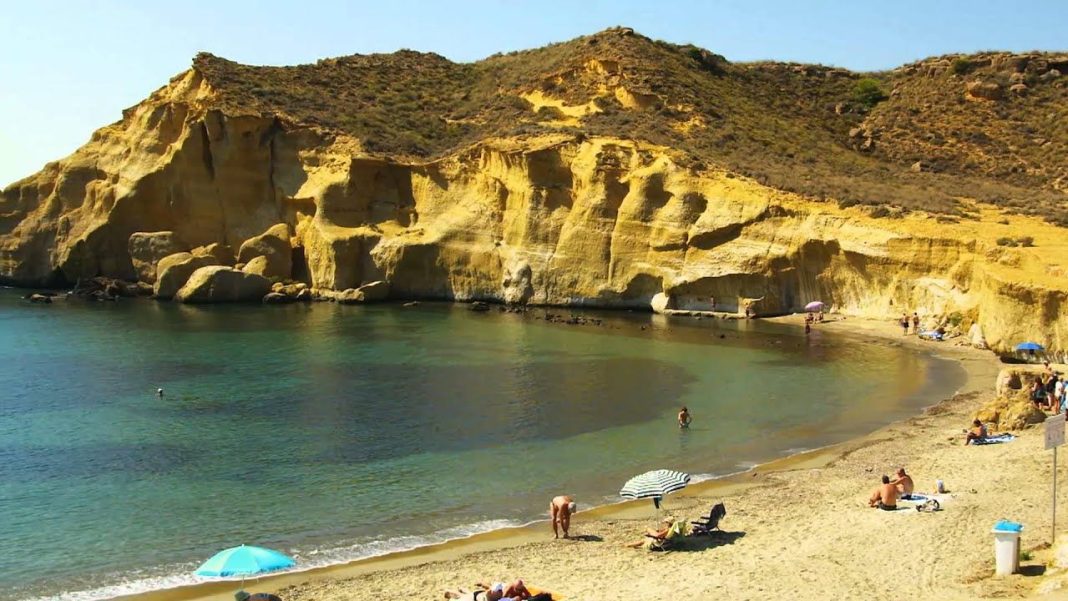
(707,524)
(665,543)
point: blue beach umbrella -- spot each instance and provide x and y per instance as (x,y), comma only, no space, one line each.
(1029,346)
(244,561)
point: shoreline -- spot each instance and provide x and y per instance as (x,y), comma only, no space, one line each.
(979,368)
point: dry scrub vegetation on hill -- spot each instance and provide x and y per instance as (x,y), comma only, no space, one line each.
(991,127)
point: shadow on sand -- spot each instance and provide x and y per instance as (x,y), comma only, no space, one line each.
(717,538)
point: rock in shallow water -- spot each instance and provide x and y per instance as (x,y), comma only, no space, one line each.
(148,248)
(273,245)
(368,293)
(173,272)
(277,298)
(220,284)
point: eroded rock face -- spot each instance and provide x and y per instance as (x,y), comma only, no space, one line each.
(221,284)
(551,219)
(146,250)
(1012,407)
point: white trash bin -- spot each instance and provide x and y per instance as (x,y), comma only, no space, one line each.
(1006,548)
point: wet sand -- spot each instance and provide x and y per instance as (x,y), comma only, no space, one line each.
(799,527)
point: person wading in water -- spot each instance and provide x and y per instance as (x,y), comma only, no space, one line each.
(684,418)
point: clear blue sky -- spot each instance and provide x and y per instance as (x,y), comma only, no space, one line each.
(70,67)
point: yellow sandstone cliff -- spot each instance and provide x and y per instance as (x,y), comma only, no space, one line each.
(549,218)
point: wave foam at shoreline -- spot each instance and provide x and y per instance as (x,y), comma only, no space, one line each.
(132,583)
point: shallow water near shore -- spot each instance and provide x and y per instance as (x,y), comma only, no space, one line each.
(338,432)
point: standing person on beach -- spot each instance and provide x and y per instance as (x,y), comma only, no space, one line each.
(915,323)
(560,510)
(905,323)
(684,417)
(712,301)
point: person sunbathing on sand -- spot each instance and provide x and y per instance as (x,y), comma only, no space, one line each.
(978,432)
(476,595)
(903,482)
(515,590)
(885,496)
(651,534)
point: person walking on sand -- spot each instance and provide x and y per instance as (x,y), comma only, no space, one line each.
(885,496)
(684,417)
(903,482)
(561,509)
(905,323)
(915,323)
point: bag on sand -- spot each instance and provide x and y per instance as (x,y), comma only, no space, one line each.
(929,505)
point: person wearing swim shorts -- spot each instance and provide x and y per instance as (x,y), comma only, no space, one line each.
(885,496)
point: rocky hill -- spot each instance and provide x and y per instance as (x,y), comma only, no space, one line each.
(602,171)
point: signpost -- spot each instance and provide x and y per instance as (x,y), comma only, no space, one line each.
(1054,439)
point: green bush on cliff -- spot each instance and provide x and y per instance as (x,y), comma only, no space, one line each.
(868,92)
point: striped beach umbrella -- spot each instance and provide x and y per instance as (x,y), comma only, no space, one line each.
(654,485)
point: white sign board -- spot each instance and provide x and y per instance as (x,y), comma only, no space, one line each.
(1054,431)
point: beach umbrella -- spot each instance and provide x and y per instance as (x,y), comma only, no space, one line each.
(654,485)
(1029,346)
(814,306)
(244,561)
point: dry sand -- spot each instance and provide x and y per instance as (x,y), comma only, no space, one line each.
(799,528)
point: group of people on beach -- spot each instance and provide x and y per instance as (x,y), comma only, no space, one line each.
(811,319)
(886,494)
(1049,392)
(905,320)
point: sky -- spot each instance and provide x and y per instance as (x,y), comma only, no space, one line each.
(70,67)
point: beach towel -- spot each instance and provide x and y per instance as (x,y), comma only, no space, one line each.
(996,439)
(914,497)
(921,502)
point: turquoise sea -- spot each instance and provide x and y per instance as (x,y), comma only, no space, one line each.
(338,432)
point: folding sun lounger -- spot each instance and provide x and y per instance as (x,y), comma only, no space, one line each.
(707,524)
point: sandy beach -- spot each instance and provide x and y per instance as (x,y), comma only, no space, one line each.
(796,528)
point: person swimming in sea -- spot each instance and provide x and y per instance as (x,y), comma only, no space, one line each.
(684,418)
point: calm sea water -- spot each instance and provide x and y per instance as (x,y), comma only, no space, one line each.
(337,432)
